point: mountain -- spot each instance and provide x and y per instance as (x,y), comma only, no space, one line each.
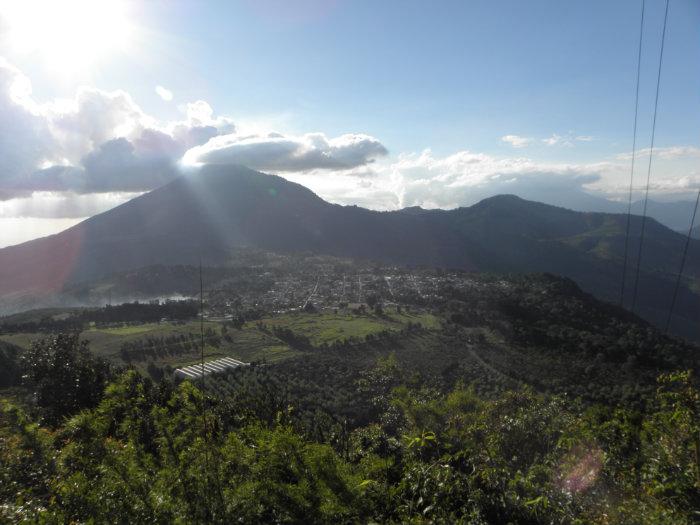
(206,215)
(672,214)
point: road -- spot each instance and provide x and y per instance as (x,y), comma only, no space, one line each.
(313,292)
(388,285)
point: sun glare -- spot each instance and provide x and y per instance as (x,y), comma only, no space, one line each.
(70,35)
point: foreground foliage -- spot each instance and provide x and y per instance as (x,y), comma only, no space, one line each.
(144,452)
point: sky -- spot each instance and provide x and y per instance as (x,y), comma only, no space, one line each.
(383,104)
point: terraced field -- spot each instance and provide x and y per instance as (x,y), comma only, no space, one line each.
(177,344)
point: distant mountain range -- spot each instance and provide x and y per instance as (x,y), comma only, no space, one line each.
(225,207)
(674,215)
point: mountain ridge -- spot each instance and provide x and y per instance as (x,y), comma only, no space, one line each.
(208,214)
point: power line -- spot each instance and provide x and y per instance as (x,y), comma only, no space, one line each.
(204,400)
(651,154)
(211,512)
(634,149)
(201,318)
(680,271)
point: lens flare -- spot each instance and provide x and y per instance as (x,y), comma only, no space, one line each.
(580,469)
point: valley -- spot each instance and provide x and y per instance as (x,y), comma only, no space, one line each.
(249,211)
(383,370)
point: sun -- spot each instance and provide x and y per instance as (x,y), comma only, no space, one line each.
(70,35)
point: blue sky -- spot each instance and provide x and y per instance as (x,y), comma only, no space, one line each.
(454,78)
(445,75)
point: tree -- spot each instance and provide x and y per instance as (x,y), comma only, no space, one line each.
(64,375)
(674,441)
(9,369)
(372,300)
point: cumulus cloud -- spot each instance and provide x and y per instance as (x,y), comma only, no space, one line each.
(76,157)
(516,141)
(666,153)
(61,205)
(93,117)
(283,153)
(676,184)
(25,138)
(164,93)
(465,177)
(97,141)
(462,179)
(102,141)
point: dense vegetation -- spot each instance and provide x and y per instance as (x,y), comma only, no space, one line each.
(81,318)
(500,234)
(136,451)
(518,400)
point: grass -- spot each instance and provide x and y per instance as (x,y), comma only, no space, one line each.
(247,344)
(23,340)
(127,329)
(41,313)
(329,327)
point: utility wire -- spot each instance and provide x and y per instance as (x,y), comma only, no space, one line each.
(651,154)
(201,319)
(204,400)
(634,149)
(680,271)
(211,513)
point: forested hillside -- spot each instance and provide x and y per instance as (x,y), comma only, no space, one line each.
(499,400)
(141,452)
(224,208)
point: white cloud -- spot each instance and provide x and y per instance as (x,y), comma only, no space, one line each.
(99,141)
(460,179)
(516,141)
(567,140)
(92,118)
(284,153)
(94,142)
(665,153)
(553,140)
(164,93)
(61,205)
(25,138)
(15,230)
(674,185)
(465,177)
(76,157)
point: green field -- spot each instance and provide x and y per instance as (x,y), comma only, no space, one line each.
(248,344)
(128,329)
(327,327)
(21,340)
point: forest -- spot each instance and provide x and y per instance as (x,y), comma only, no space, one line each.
(395,427)
(500,399)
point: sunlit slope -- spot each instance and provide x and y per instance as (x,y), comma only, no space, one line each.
(224,207)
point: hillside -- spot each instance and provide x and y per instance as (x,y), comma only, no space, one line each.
(494,332)
(221,208)
(523,395)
